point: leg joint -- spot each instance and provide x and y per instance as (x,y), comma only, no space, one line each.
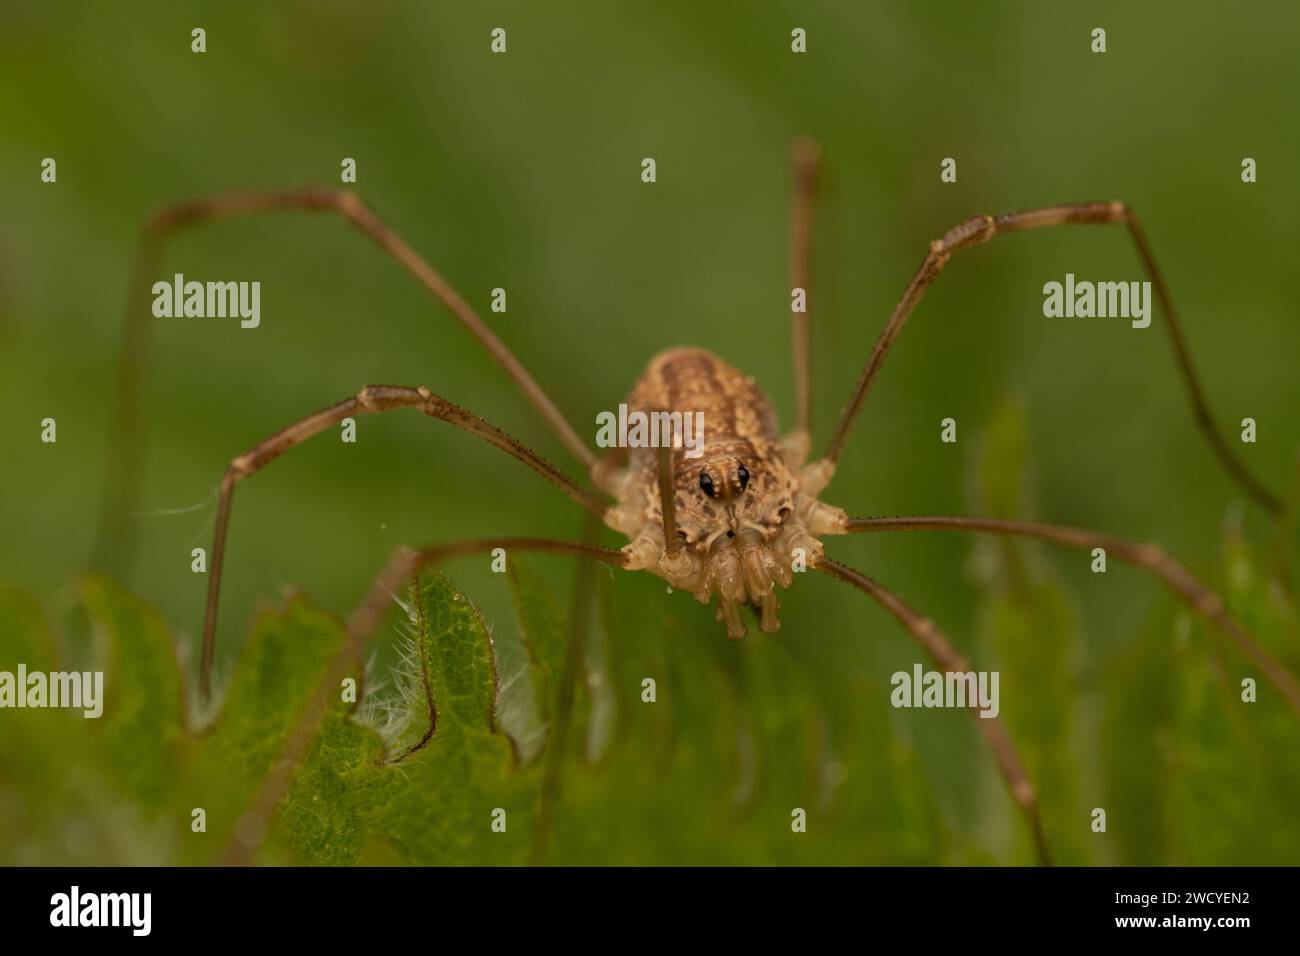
(437,406)
(972,232)
(243,466)
(349,202)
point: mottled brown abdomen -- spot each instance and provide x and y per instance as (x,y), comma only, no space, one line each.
(738,418)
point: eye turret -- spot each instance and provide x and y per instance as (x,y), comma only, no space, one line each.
(726,488)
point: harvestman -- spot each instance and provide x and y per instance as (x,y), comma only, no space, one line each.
(728,523)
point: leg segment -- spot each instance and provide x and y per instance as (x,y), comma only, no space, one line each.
(126,449)
(805,162)
(362,624)
(1189,589)
(946,656)
(667,502)
(981,229)
(371,399)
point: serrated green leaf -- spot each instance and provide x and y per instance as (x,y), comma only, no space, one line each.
(433,796)
(144,696)
(739,736)
(531,661)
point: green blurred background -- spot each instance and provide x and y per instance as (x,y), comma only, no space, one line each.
(522,171)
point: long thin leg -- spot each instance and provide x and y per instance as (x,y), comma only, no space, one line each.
(981,229)
(805,164)
(946,656)
(1189,589)
(362,624)
(667,502)
(125,461)
(581,609)
(371,399)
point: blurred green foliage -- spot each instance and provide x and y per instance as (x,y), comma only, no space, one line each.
(522,171)
(710,770)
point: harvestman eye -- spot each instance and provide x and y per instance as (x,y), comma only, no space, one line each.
(742,473)
(706,484)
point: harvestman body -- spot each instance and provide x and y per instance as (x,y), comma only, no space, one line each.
(742,515)
(731,524)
